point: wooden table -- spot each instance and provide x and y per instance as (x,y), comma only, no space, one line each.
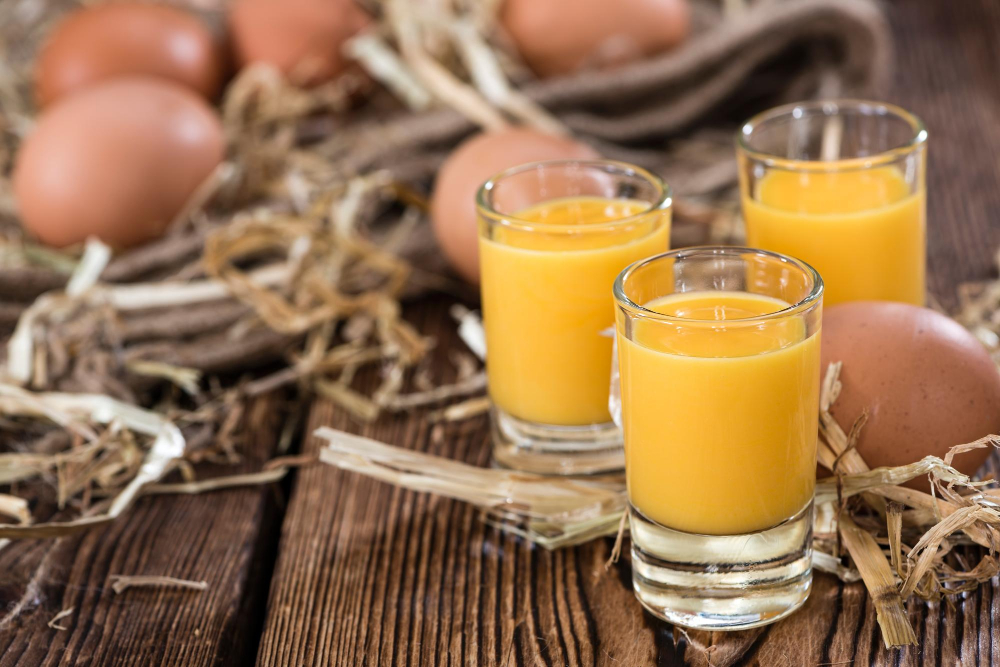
(334,569)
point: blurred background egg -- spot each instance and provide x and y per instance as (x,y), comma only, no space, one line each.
(927,382)
(562,36)
(453,208)
(120,39)
(302,38)
(118,161)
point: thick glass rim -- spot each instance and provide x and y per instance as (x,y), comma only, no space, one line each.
(485,209)
(832,109)
(806,303)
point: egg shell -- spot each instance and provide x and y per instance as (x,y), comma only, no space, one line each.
(118,161)
(476,160)
(927,383)
(562,36)
(302,38)
(125,39)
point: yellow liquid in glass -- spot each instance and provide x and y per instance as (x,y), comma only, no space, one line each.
(863,230)
(720,421)
(547,299)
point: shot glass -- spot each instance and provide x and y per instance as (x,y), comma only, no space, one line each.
(840,185)
(719,359)
(553,236)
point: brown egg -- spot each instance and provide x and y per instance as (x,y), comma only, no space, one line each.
(122,39)
(927,383)
(302,38)
(453,207)
(562,36)
(117,161)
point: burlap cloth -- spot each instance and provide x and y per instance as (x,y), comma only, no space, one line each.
(774,52)
(674,114)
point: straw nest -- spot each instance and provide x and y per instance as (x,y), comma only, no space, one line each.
(286,269)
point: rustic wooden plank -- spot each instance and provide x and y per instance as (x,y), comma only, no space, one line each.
(226,539)
(370,574)
(948,56)
(373,575)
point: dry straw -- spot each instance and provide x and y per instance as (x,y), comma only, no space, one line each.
(280,258)
(122,582)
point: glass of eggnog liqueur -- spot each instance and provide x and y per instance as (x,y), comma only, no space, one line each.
(842,186)
(719,358)
(552,238)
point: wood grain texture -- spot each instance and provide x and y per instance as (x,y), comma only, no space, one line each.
(225,538)
(372,575)
(948,56)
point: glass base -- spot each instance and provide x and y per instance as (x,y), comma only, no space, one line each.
(722,582)
(556,450)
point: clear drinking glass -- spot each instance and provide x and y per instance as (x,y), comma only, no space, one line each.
(842,186)
(553,236)
(718,351)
